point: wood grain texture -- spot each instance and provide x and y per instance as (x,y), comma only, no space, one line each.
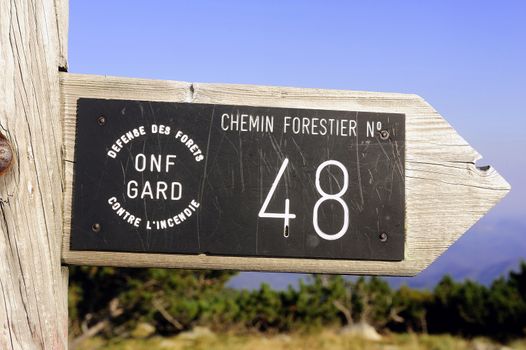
(445,192)
(33,285)
(62,16)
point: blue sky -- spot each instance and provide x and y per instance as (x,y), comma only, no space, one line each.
(465,58)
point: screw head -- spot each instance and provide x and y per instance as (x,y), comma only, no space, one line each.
(96,227)
(384,134)
(383,237)
(101,120)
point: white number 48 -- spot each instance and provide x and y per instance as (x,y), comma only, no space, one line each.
(287,216)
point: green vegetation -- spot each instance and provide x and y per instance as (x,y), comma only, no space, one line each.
(111,303)
(326,339)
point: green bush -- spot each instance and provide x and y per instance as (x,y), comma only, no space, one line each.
(111,302)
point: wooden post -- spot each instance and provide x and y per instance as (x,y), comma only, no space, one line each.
(33,285)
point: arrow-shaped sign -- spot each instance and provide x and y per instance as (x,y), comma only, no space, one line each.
(173,174)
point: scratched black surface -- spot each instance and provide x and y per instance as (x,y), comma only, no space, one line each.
(233,180)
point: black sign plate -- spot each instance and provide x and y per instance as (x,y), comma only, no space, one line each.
(185,178)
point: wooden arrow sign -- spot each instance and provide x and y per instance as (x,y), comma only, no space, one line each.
(173,174)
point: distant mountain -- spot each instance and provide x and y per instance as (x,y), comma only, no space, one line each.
(490,249)
(487,251)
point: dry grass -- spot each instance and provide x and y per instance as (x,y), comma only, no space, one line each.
(327,339)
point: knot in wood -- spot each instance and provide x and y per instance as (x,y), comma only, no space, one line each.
(6,155)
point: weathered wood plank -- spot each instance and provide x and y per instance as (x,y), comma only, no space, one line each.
(33,285)
(445,192)
(62,15)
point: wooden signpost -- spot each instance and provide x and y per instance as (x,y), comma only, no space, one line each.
(130,172)
(174,174)
(33,283)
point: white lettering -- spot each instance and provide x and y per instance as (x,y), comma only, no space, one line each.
(169,161)
(155,163)
(142,158)
(161,189)
(224,124)
(131,189)
(175,197)
(147,190)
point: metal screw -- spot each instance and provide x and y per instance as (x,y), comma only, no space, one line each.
(101,120)
(96,227)
(383,237)
(384,134)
